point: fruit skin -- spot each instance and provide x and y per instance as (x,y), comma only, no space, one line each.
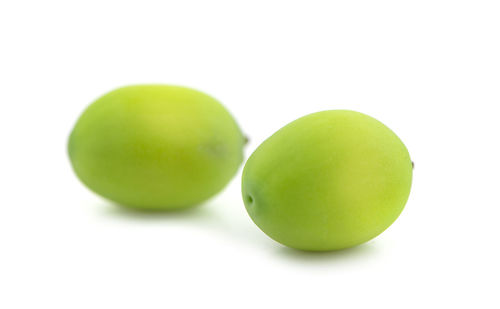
(327,181)
(156,147)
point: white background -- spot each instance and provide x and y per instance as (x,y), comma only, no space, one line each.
(430,70)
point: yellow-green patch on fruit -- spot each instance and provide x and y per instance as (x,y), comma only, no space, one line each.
(327,181)
(156,147)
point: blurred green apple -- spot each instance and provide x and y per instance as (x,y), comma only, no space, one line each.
(156,147)
(327,181)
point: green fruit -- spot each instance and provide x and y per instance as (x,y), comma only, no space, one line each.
(327,181)
(156,147)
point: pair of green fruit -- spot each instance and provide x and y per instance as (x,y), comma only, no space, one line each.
(326,181)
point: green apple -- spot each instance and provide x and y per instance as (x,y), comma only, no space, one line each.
(156,147)
(327,181)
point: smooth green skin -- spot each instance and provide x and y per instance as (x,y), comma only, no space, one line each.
(156,147)
(327,181)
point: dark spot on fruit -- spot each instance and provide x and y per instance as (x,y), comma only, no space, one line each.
(214,149)
(249,199)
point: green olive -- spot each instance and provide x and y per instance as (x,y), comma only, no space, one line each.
(156,147)
(327,181)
